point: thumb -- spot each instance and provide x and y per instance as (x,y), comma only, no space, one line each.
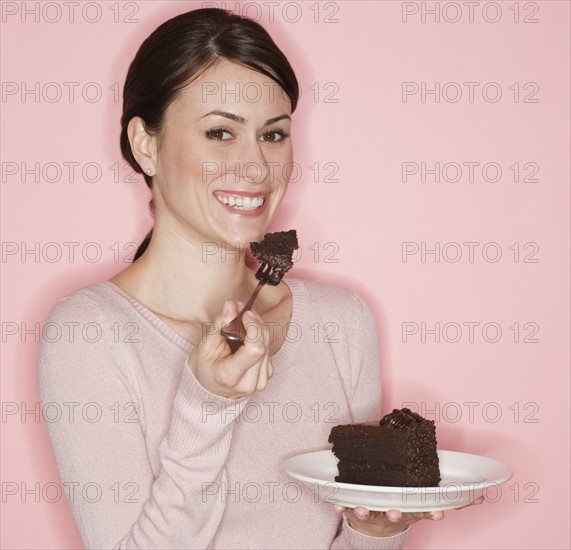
(224,322)
(211,330)
(229,313)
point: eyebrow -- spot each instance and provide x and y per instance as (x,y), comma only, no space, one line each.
(242,120)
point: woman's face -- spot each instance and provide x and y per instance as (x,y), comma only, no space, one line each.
(224,156)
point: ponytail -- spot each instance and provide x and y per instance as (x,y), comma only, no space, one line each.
(143,246)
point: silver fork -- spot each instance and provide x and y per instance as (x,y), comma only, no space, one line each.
(234,331)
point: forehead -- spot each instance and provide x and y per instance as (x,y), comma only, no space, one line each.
(228,84)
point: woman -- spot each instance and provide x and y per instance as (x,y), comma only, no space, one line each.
(177,442)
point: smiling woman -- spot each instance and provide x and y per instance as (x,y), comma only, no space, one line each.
(163,81)
(196,470)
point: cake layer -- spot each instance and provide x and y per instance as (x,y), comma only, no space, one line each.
(372,477)
(390,475)
(349,465)
(387,450)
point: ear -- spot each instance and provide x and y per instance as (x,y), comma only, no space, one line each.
(143,145)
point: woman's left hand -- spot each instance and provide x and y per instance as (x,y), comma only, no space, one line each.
(389,523)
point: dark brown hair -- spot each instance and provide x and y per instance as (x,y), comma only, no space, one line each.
(179,51)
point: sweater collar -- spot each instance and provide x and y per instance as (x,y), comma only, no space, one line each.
(284,355)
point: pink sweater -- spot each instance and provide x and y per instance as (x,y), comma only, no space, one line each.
(150,459)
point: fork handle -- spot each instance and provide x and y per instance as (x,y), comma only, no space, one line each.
(234,331)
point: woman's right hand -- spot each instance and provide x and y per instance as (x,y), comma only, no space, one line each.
(233,375)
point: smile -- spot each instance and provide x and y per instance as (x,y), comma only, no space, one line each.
(240,202)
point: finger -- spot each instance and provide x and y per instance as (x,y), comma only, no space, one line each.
(211,331)
(264,371)
(253,352)
(339,509)
(394,516)
(362,513)
(254,332)
(229,313)
(479,500)
(263,375)
(432,515)
(235,369)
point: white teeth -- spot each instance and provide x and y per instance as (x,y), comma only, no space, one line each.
(241,203)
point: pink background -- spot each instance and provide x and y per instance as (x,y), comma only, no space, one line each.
(359,221)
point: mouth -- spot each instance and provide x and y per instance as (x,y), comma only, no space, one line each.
(241,202)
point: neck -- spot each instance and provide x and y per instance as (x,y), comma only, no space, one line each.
(187,280)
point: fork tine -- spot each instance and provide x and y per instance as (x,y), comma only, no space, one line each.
(269,275)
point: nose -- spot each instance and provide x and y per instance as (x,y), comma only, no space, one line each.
(252,172)
(254,168)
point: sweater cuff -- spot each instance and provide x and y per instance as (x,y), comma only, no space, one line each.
(351,538)
(202,422)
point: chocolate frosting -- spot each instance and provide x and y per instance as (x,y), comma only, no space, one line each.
(400,418)
(276,249)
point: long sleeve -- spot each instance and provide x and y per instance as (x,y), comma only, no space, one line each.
(365,404)
(116,499)
(349,538)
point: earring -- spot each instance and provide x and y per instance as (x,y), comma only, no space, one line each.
(148,170)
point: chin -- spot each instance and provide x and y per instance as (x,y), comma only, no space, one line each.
(242,239)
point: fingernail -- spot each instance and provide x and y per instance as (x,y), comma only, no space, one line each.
(226,308)
(393,517)
(338,508)
(361,515)
(437,516)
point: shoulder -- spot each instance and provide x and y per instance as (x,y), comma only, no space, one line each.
(97,300)
(73,341)
(335,300)
(77,322)
(337,309)
(350,329)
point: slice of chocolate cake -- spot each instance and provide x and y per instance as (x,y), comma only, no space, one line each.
(399,451)
(276,249)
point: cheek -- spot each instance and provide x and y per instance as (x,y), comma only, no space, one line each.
(183,163)
(291,171)
(282,166)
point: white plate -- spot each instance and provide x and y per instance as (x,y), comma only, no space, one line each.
(465,477)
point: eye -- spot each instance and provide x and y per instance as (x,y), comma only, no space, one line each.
(274,136)
(219,134)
